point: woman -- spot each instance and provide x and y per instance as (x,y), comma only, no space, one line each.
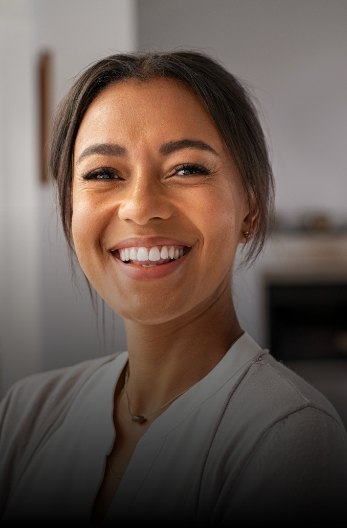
(163,173)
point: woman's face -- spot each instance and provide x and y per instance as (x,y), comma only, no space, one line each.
(158,205)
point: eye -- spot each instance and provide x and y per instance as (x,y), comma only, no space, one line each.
(191,169)
(103,173)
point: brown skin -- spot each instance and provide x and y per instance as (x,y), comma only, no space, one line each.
(180,325)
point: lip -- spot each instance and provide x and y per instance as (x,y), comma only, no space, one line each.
(149,242)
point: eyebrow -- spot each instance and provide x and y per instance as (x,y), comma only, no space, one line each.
(105,149)
(173,146)
(113,149)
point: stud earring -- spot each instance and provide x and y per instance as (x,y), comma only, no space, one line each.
(247,235)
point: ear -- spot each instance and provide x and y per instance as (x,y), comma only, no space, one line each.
(250,222)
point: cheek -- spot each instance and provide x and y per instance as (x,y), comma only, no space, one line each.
(222,220)
(85,229)
(79,225)
(221,226)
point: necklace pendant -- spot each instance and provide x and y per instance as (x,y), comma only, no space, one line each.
(138,418)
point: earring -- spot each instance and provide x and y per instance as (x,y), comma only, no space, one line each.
(247,235)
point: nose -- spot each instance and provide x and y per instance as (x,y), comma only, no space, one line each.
(144,200)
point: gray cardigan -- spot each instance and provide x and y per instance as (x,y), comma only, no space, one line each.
(250,443)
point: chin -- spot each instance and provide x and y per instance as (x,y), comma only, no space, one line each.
(149,311)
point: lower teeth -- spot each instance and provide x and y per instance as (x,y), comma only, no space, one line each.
(148,264)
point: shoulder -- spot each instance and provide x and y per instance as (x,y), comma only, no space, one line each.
(271,402)
(40,400)
(292,405)
(272,388)
(264,392)
(47,388)
(285,432)
(32,409)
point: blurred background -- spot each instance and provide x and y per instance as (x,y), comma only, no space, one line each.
(292,56)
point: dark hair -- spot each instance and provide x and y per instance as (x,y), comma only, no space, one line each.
(225,98)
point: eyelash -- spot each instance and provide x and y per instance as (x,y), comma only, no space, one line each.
(192,168)
(99,173)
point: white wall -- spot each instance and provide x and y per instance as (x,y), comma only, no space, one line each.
(46,319)
(81,31)
(293,56)
(77,33)
(20,331)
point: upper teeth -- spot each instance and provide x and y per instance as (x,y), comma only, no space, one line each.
(153,254)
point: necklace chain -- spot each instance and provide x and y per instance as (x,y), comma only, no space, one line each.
(140,418)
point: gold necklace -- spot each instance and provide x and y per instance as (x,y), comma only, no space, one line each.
(140,418)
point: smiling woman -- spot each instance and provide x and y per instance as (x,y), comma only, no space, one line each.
(162,173)
(153,191)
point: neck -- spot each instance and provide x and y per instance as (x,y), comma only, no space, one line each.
(167,359)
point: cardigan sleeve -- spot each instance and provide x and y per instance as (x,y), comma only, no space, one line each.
(296,471)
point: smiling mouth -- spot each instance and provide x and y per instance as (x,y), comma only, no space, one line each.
(148,257)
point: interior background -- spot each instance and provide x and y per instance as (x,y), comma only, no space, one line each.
(292,55)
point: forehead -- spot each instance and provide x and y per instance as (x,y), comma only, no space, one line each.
(146,109)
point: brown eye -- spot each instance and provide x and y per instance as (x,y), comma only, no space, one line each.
(189,169)
(102,174)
